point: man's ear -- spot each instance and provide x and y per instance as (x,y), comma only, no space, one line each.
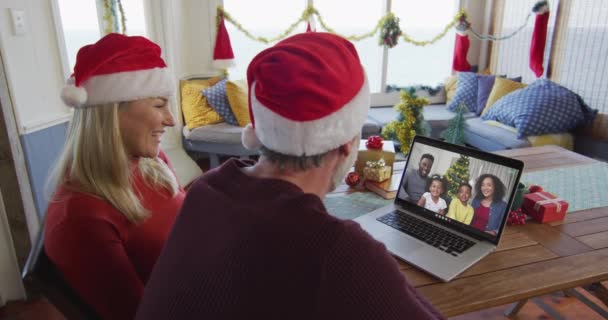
(345,149)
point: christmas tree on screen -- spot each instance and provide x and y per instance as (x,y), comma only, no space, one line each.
(457,174)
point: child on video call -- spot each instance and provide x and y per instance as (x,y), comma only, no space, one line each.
(432,199)
(460,210)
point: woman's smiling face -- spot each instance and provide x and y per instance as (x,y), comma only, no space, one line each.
(142,124)
(487,187)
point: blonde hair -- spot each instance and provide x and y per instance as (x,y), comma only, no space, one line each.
(94,161)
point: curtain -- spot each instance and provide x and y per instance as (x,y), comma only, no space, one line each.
(581,49)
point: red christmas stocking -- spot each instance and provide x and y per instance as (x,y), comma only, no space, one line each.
(461,49)
(539,39)
(223,57)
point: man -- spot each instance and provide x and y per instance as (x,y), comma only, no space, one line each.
(255,240)
(414,182)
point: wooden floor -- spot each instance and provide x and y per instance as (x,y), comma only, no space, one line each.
(569,308)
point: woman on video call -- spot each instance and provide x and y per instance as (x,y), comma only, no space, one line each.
(488,204)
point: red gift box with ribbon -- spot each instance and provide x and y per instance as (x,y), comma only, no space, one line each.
(544,207)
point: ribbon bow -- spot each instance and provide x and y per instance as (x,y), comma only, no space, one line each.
(548,200)
(376,164)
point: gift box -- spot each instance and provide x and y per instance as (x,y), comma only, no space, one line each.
(544,207)
(377,174)
(386,152)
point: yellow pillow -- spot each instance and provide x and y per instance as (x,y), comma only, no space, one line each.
(236,92)
(450,88)
(501,88)
(197,112)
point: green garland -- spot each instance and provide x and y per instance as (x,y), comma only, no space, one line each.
(388,20)
(110,17)
(388,26)
(432,91)
(410,120)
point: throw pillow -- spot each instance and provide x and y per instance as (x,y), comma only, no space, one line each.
(541,108)
(485,83)
(197,112)
(216,96)
(236,91)
(501,88)
(466,92)
(450,88)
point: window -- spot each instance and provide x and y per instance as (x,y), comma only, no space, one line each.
(430,65)
(407,64)
(265,18)
(517,48)
(581,51)
(81,23)
(575,55)
(80,26)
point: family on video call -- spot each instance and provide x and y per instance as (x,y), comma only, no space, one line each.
(479,200)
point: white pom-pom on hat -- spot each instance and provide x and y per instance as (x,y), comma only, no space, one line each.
(250,139)
(72,95)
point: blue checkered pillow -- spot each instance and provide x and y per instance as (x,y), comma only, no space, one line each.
(541,108)
(216,96)
(466,92)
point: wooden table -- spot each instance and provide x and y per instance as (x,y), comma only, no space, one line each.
(532,259)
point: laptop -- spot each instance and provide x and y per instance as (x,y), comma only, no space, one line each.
(451,229)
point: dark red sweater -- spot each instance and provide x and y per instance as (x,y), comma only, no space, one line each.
(105,258)
(251,248)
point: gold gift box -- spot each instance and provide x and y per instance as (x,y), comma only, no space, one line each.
(387,153)
(377,174)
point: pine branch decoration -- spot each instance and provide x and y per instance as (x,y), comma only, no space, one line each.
(410,120)
(456,126)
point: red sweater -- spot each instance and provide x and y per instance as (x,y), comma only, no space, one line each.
(105,258)
(251,248)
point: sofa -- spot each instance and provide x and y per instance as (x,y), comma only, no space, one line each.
(591,141)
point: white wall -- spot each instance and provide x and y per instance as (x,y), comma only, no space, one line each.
(33,65)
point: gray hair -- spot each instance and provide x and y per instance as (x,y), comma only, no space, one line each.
(297,163)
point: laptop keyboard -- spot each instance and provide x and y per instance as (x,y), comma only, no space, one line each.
(437,237)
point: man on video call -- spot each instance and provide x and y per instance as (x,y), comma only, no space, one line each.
(414,182)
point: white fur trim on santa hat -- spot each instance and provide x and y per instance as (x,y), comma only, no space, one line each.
(542,9)
(223,63)
(249,138)
(72,95)
(314,137)
(128,86)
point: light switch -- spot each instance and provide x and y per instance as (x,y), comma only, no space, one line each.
(18,17)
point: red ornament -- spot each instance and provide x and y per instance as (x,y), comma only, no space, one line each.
(535,188)
(352,179)
(516,217)
(374,142)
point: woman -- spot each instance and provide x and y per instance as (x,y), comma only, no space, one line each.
(488,204)
(115,195)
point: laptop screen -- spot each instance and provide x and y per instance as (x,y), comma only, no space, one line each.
(458,186)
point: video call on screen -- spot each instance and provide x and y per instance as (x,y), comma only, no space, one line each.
(458,188)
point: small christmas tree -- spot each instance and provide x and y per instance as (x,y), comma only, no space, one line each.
(457,173)
(410,120)
(455,131)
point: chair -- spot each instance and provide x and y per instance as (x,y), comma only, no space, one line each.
(40,276)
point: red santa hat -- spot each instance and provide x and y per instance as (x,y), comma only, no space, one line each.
(308,94)
(117,68)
